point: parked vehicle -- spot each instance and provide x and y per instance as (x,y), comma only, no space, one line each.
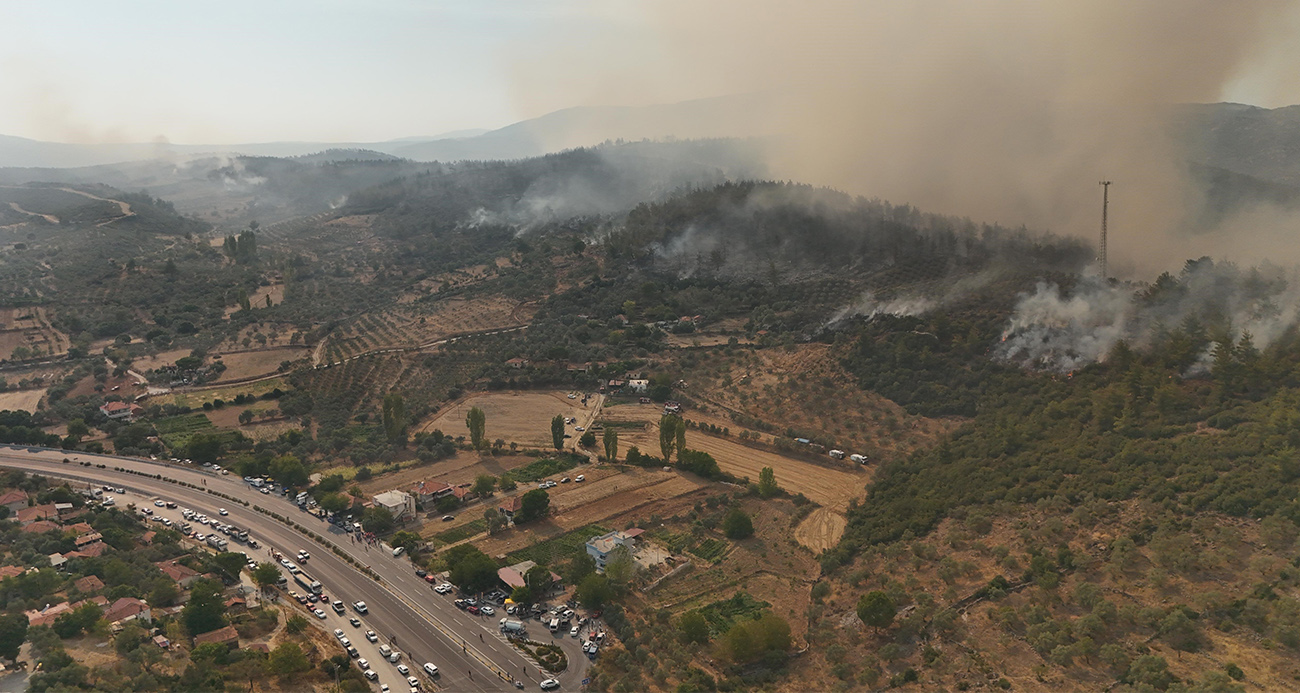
(512,627)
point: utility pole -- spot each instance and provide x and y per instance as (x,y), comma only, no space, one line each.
(1101,247)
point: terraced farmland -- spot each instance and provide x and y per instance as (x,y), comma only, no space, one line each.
(420,323)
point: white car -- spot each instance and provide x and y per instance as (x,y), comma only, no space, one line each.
(414,682)
(580,477)
(383,688)
(158,504)
(371,676)
(370,635)
(338,633)
(430,669)
(223,512)
(403,669)
(360,607)
(550,685)
(573,632)
(319,614)
(444,588)
(345,642)
(363,663)
(487,611)
(579,429)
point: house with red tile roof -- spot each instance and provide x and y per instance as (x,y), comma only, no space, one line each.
(511,506)
(81,528)
(88,539)
(27,516)
(88,584)
(40,527)
(425,492)
(147,537)
(182,575)
(15,500)
(222,636)
(128,609)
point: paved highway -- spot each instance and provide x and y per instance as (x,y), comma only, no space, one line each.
(468,650)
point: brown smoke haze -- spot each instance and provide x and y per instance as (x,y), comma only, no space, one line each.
(1003,111)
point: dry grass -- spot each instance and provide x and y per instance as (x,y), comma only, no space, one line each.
(516,417)
(249,364)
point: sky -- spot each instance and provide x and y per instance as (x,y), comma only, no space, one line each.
(371,70)
(239,71)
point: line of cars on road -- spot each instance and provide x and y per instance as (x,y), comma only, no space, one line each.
(392,656)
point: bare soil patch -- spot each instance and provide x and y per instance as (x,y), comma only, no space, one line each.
(162,358)
(518,417)
(250,364)
(821,530)
(460,468)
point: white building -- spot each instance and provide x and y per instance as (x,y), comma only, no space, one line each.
(399,503)
(638,384)
(599,548)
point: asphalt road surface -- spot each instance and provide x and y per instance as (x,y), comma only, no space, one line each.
(468,650)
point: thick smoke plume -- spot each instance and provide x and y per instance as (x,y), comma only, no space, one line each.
(1058,330)
(1007,111)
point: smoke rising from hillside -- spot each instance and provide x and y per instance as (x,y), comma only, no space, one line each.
(1005,111)
(1062,331)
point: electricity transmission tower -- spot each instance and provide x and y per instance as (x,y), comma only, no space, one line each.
(1101,247)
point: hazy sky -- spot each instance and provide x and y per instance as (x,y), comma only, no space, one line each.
(361,70)
(238,71)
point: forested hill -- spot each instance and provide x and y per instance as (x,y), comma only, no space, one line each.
(747,228)
(526,194)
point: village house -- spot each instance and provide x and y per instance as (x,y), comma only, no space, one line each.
(14,500)
(511,506)
(86,539)
(399,503)
(128,609)
(56,560)
(46,616)
(64,509)
(517,362)
(462,492)
(182,575)
(638,385)
(26,516)
(428,491)
(599,548)
(40,527)
(513,576)
(89,584)
(221,636)
(121,411)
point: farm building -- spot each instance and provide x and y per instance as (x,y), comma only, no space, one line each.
(513,576)
(638,384)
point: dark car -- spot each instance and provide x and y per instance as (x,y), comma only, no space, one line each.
(420,573)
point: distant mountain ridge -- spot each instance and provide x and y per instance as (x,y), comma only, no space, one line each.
(568,128)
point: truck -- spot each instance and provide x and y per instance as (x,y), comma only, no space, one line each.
(860,459)
(307,583)
(510,626)
(837,454)
(217,542)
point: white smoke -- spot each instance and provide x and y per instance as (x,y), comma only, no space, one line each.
(1055,331)
(869,307)
(1051,332)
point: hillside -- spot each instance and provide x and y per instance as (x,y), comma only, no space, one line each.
(1067,484)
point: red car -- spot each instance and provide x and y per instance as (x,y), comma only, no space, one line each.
(472,609)
(430,579)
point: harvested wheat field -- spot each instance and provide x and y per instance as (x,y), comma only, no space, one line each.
(826,485)
(516,417)
(25,400)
